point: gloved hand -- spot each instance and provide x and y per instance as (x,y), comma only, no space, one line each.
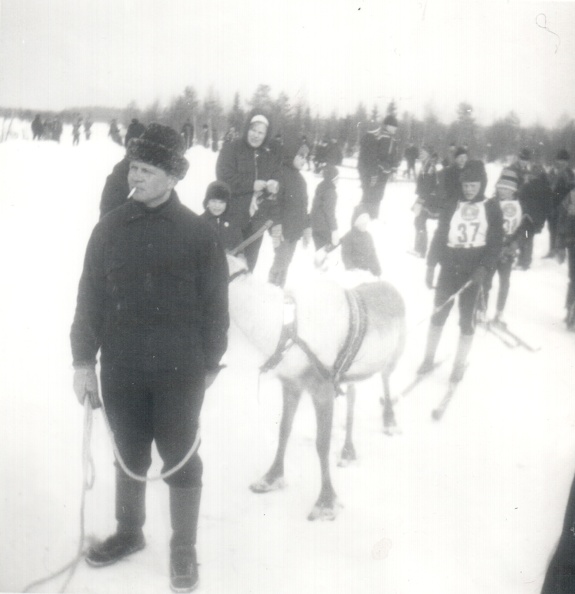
(429,276)
(259,185)
(306,236)
(86,385)
(479,275)
(560,255)
(272,186)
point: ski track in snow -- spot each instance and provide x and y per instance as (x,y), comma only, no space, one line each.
(471,504)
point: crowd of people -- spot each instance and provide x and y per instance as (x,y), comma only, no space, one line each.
(152,298)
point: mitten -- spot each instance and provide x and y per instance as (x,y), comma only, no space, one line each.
(86,385)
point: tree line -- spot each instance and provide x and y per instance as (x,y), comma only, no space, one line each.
(498,140)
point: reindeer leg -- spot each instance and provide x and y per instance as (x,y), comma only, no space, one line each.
(348,450)
(326,506)
(273,479)
(389,424)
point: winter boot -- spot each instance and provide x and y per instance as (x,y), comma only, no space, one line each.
(131,515)
(460,363)
(184,512)
(433,336)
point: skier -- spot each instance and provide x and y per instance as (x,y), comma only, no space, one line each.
(566,243)
(506,194)
(467,244)
(427,204)
(152,300)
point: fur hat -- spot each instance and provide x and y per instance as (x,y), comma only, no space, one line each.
(474,171)
(390,120)
(507,179)
(563,155)
(330,172)
(217,190)
(460,150)
(525,154)
(162,147)
(260,119)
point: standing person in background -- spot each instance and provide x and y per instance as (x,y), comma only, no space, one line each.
(467,245)
(566,246)
(522,166)
(323,219)
(114,132)
(88,128)
(450,189)
(427,204)
(535,199)
(76,131)
(562,177)
(153,301)
(188,134)
(411,155)
(206,136)
(37,128)
(333,154)
(135,130)
(293,213)
(252,171)
(116,188)
(368,163)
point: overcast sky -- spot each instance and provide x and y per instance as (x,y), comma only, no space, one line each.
(499,55)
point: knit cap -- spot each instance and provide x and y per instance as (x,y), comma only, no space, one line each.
(507,179)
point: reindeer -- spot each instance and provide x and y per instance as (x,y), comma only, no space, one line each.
(314,338)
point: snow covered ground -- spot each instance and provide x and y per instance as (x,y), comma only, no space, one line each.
(471,505)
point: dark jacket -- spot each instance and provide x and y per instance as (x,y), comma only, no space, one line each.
(465,258)
(229,233)
(293,203)
(323,219)
(153,294)
(358,251)
(562,184)
(116,189)
(535,199)
(387,154)
(240,165)
(426,187)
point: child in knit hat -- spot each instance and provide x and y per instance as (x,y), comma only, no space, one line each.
(215,205)
(323,219)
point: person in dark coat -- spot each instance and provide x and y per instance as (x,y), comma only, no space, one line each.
(450,189)
(566,247)
(467,244)
(535,199)
(252,171)
(37,128)
(357,246)
(411,155)
(116,188)
(153,301)
(135,130)
(427,204)
(293,210)
(367,163)
(562,177)
(333,154)
(215,204)
(188,133)
(323,218)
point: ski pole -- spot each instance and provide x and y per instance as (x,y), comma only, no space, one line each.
(251,238)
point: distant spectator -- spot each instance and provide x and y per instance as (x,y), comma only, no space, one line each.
(562,178)
(76,131)
(566,243)
(411,155)
(37,128)
(188,134)
(333,154)
(323,218)
(206,136)
(88,128)
(135,130)
(427,204)
(114,132)
(58,129)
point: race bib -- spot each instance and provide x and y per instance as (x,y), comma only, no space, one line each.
(512,215)
(468,227)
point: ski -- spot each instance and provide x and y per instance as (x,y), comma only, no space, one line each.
(437,413)
(503,331)
(416,381)
(494,329)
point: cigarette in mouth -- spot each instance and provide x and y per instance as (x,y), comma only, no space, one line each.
(131,193)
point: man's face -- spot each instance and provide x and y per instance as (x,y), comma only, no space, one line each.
(257,134)
(461,160)
(471,189)
(153,185)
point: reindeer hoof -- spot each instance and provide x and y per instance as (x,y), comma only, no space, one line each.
(324,512)
(264,486)
(347,456)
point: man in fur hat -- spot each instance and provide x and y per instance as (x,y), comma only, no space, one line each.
(152,300)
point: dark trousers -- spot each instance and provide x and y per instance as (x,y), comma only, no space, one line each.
(163,406)
(503,269)
(282,259)
(560,576)
(420,223)
(570,300)
(373,195)
(449,282)
(525,242)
